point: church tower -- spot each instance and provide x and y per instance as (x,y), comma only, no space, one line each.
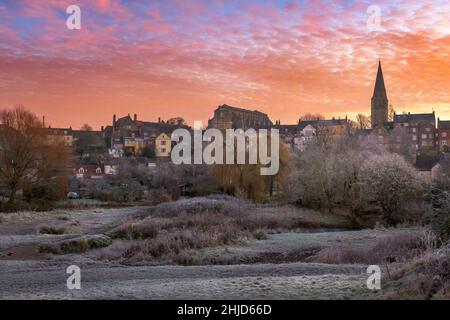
(379,100)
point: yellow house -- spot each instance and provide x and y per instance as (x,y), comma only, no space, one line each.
(163,145)
(135,145)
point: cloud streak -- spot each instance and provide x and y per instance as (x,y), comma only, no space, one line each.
(184,58)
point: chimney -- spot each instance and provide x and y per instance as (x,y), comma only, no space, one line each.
(159,119)
(135,117)
(102,128)
(43,121)
(114,120)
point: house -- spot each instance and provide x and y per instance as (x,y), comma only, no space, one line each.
(444,135)
(427,166)
(59,136)
(163,145)
(111,169)
(306,135)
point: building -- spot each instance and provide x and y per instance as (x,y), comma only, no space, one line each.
(228,117)
(299,135)
(163,145)
(379,103)
(59,136)
(408,134)
(421,127)
(443,135)
(427,166)
(137,137)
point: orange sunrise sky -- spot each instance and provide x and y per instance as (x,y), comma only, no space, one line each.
(186,57)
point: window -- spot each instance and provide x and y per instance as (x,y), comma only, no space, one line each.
(163,149)
(424,136)
(380,139)
(444,142)
(163,143)
(425,143)
(81,171)
(428,129)
(414,137)
(444,134)
(414,130)
(98,170)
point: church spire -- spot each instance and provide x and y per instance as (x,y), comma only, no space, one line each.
(380,89)
(379,105)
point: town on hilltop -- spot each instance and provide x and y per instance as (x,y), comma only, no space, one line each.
(420,138)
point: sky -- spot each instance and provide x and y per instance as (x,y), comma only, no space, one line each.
(186,57)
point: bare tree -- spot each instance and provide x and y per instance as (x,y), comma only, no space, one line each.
(363,121)
(311,116)
(25,157)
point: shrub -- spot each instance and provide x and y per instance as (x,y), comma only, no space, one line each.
(157,196)
(441,219)
(394,248)
(51,230)
(132,231)
(98,241)
(74,246)
(391,184)
(40,197)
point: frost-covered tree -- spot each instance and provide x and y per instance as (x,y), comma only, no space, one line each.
(389,182)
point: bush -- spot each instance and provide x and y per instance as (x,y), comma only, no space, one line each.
(99,241)
(40,197)
(394,248)
(391,184)
(51,230)
(441,218)
(74,246)
(131,231)
(157,196)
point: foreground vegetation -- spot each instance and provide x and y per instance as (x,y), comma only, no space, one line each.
(172,231)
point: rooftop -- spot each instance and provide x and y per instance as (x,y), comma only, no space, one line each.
(225,106)
(414,117)
(443,124)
